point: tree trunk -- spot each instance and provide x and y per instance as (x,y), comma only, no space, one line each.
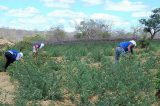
(152,36)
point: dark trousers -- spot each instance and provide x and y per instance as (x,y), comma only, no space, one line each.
(9,59)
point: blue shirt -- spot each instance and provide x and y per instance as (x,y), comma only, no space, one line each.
(124,45)
(14,53)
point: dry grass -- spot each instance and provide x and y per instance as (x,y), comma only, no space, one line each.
(95,65)
(5,42)
(59,59)
(65,102)
(93,99)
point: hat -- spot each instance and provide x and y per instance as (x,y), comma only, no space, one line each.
(42,45)
(20,54)
(133,42)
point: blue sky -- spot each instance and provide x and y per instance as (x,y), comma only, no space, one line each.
(43,14)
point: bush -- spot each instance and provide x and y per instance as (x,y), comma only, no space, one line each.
(144,42)
(37,81)
(34,39)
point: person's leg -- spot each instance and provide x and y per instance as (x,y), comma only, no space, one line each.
(35,52)
(123,53)
(9,60)
(117,54)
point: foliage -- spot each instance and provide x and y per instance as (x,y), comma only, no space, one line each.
(152,25)
(37,81)
(144,42)
(92,29)
(56,34)
(33,39)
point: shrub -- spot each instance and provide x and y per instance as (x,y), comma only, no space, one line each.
(144,42)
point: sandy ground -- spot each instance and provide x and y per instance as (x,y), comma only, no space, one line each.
(6,89)
(4,41)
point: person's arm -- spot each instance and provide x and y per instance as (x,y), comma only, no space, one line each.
(130,48)
(36,48)
(18,57)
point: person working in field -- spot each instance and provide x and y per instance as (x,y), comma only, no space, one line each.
(36,47)
(11,56)
(123,48)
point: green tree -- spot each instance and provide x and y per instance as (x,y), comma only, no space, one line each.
(92,29)
(152,24)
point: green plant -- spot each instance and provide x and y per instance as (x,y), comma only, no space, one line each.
(81,72)
(144,42)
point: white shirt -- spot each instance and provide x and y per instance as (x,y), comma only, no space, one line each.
(18,56)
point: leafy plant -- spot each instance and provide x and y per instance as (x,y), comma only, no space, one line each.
(85,74)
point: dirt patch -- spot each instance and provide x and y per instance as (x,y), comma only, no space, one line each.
(53,103)
(7,89)
(95,65)
(157,53)
(85,59)
(59,59)
(64,103)
(154,72)
(93,99)
(138,50)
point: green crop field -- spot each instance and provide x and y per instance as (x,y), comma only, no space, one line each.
(85,74)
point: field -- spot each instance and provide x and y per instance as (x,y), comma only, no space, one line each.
(85,74)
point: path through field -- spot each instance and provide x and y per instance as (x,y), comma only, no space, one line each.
(6,89)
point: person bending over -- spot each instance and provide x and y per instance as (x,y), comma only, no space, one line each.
(123,48)
(12,56)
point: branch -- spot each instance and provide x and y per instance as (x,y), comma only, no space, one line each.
(157,30)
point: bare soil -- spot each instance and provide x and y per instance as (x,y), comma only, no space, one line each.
(7,89)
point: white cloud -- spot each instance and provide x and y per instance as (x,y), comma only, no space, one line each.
(61,21)
(104,16)
(58,3)
(67,18)
(69,29)
(92,2)
(125,5)
(4,23)
(112,19)
(3,8)
(36,22)
(27,12)
(66,14)
(141,14)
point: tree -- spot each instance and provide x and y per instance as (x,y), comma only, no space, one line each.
(152,24)
(56,34)
(92,29)
(135,31)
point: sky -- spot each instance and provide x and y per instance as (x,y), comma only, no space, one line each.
(44,14)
